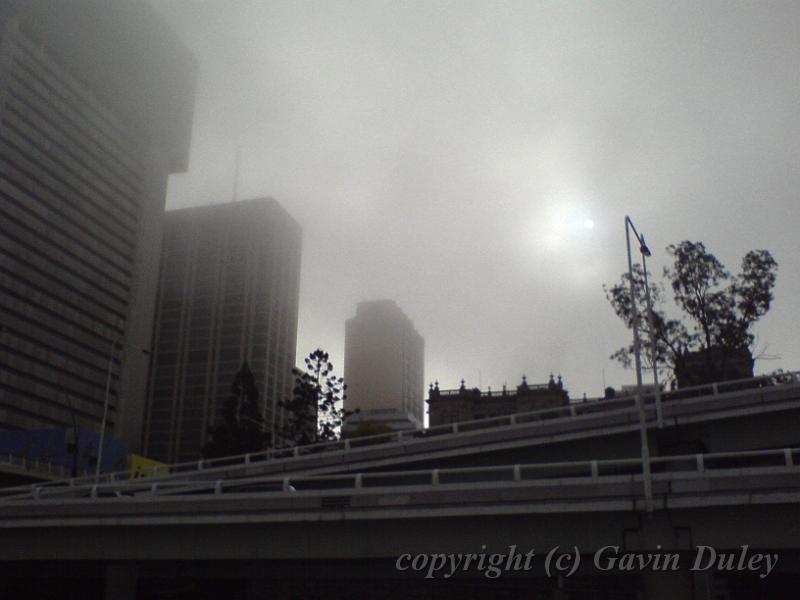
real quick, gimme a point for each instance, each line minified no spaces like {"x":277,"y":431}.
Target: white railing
{"x":33,"y":465}
{"x":785,"y":460}
{"x":575,"y":409}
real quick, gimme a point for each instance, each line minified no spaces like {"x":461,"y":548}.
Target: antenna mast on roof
{"x":236,"y":173}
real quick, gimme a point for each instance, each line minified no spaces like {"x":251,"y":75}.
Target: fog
{"x":474,"y":161}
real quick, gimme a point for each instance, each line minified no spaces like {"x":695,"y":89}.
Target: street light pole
{"x":648,"y":484}
{"x":650,"y":321}
{"x":105,"y":410}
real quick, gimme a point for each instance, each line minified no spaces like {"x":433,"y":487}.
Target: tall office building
{"x":228,"y":293}
{"x":384,"y":360}
{"x":96,"y":102}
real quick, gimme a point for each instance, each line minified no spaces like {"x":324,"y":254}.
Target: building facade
{"x":454,"y":406}
{"x":228,"y":293}
{"x":713,"y":364}
{"x":91,"y":126}
{"x":384,"y":362}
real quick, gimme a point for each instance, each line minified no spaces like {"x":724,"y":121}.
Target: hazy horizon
{"x":474,"y":162}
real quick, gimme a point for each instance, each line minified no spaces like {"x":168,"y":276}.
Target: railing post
{"x":512,"y":420}
{"x":659,"y":410}
{"x":247,"y":458}
{"x":399,"y":436}
{"x":714,"y":389}
{"x":595,"y":469}
{"x":700,"y":463}
{"x":200,"y":465}
{"x":571,"y":410}
{"x":455,"y":427}
{"x":787,"y":453}
{"x":347,"y":444}
{"x":435,"y":477}
{"x":517,"y":473}
{"x":358,"y":483}
{"x":296,"y":451}
{"x":286,"y":485}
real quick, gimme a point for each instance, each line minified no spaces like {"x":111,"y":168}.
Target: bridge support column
{"x":121,"y":582}
{"x":703,"y":585}
{"x":667,"y":585}
{"x":559,"y":593}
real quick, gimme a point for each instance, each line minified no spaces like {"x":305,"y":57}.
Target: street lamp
{"x":648,"y":484}
{"x":105,"y":403}
{"x":650,"y":321}
{"x":645,"y":252}
{"x":105,"y":410}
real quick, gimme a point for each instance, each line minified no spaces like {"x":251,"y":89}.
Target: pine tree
{"x":242,"y":427}
{"x":315,"y":412}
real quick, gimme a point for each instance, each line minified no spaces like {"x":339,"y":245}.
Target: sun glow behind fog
{"x":565,"y":225}
{"x":564,"y":240}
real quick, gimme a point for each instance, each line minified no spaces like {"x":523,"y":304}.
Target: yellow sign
{"x":145,"y":467}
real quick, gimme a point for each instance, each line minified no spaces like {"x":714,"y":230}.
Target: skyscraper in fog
{"x":96,"y":102}
{"x":384,"y":360}
{"x":228,"y":293}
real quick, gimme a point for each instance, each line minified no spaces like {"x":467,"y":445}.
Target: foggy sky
{"x":453,"y":156}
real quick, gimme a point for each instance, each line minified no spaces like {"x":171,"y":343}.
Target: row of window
{"x":36,"y":116}
{"x":93,"y":116}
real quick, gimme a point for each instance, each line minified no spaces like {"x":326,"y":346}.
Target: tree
{"x":315,"y":412}
{"x":242,"y":427}
{"x":719,"y":310}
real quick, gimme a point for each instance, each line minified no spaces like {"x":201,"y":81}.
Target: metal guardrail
{"x":557,"y":474}
{"x":575,"y":409}
{"x":35,"y":465}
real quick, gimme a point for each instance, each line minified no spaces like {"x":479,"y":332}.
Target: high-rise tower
{"x":228,"y":293}
{"x":96,"y":102}
{"x":384,"y":361}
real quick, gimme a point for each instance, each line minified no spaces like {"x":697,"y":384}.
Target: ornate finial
{"x":462,"y":384}
{"x":551,"y":384}
{"x":524,"y":380}
{"x":489,"y":391}
{"x":436,"y":384}
{"x":430,"y":386}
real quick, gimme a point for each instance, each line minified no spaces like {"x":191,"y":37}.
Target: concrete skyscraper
{"x":228,"y":293}
{"x":384,"y":361}
{"x":96,"y":103}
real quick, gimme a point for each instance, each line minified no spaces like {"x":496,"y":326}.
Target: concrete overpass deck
{"x":775,"y":400}
{"x":760,"y":477}
{"x":721,"y":501}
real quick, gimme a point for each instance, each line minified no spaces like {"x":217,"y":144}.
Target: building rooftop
{"x":127,"y":55}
